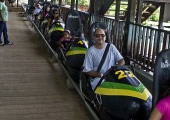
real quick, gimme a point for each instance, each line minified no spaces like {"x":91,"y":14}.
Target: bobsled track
{"x":32,"y":83}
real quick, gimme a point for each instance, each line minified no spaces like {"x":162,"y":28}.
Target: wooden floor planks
{"x":31,"y":86}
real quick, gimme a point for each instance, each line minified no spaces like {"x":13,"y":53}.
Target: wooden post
{"x":130,"y":18}
{"x":17,"y":3}
{"x":139,"y":11}
{"x":161,"y":17}
{"x":72,"y":4}
{"x":30,"y":2}
{"x":91,"y":8}
{"x":60,"y":3}
{"x":131,"y":10}
{"x":77,"y":4}
{"x":117,"y":12}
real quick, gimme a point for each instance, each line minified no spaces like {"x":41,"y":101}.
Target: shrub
{"x":83,"y":2}
{"x":154,"y":17}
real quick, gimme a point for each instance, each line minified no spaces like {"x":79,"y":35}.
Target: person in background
{"x":45,"y":13}
{"x":36,"y":12}
{"x":66,"y":38}
{"x":162,"y":108}
{"x":54,"y":18}
{"x":3,"y":26}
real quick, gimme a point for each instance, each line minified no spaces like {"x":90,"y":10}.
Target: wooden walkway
{"x":32,"y":87}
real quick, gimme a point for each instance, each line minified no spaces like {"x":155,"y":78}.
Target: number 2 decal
{"x":124,"y":74}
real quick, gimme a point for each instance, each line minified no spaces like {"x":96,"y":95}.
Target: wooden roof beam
{"x":164,"y":1}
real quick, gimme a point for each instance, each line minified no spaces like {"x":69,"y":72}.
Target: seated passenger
{"x":54,"y":18}
{"x":94,"y":56}
{"x":45,"y":13}
{"x":66,"y":38}
{"x":162,"y":108}
{"x":36,"y":11}
{"x":55,"y":40}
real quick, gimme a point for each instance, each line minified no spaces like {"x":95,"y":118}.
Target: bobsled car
{"x":73,"y":55}
{"x":73,"y":23}
{"x":56,"y":30}
{"x":119,"y":95}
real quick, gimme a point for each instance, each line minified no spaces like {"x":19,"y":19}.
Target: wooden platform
{"x":15,"y":9}
{"x":31,"y":86}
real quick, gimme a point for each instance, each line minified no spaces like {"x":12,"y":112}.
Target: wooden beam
{"x":72,"y":4}
{"x":131,"y":10}
{"x":91,"y":7}
{"x":31,"y":2}
{"x":139,"y":11}
{"x":77,"y":4}
{"x":117,"y":12}
{"x":165,"y":1}
{"x":161,"y":17}
{"x":60,"y":2}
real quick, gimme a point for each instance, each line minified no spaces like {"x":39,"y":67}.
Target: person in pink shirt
{"x":66,"y":38}
{"x":162,"y":108}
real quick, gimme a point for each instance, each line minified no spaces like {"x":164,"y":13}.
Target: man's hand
{"x":94,"y":74}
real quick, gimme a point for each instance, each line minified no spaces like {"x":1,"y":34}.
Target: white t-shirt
{"x":37,"y":11}
{"x":93,"y":57}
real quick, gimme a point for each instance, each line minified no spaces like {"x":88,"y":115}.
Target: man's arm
{"x":121,"y":62}
{"x":155,"y":115}
{"x":1,"y":19}
{"x":94,"y":74}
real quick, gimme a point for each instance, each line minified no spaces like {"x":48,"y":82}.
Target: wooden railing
{"x":144,"y":44}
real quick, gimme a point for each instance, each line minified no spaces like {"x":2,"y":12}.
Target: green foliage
{"x":154,"y":17}
{"x":83,"y":2}
{"x":123,"y":7}
{"x":68,"y":1}
{"x":145,"y":23}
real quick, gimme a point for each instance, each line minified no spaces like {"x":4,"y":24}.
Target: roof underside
{"x":165,"y":1}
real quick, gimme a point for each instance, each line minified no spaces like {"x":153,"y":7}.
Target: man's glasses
{"x":100,"y":35}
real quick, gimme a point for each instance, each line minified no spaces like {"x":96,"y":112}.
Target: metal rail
{"x":69,"y":77}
